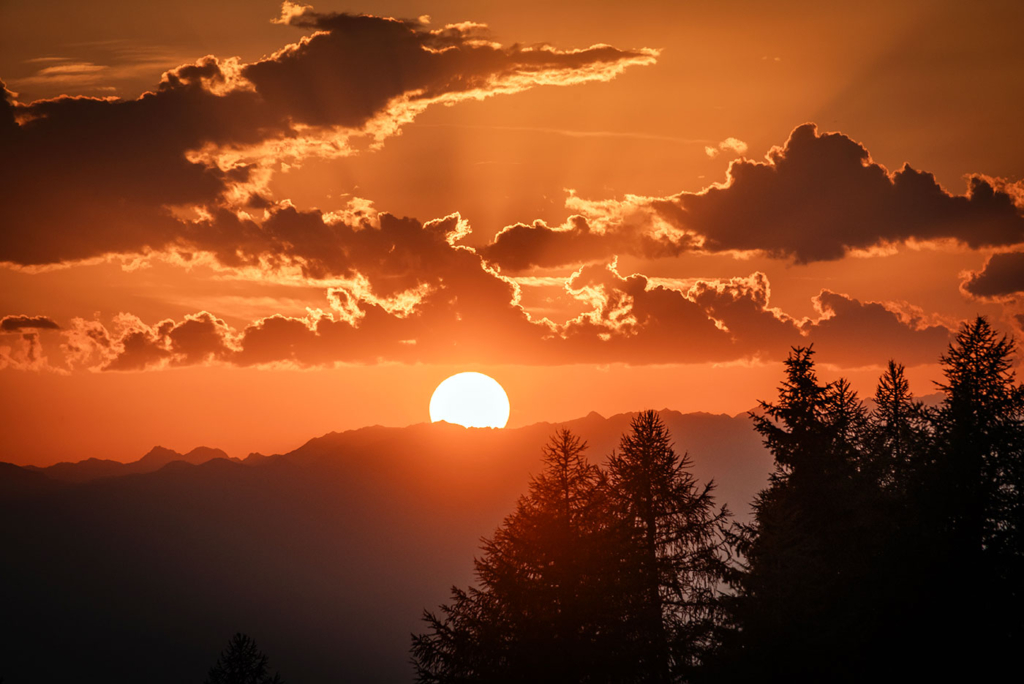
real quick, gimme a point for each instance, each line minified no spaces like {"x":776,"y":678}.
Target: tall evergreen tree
{"x":546,"y":608}
{"x":242,"y":663}
{"x":977,"y":487}
{"x":799,"y":605}
{"x":675,"y":555}
{"x":884,"y":540}
{"x":980,"y":425}
{"x":899,"y":434}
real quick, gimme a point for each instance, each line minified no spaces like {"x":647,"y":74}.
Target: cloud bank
{"x":182,"y":173}
{"x":1001,"y":277}
{"x":471,"y":315}
{"x":83,"y":178}
{"x":819,"y":197}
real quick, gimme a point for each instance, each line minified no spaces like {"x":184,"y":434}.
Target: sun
{"x":470,"y":399}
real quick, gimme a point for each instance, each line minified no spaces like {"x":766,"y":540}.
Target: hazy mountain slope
{"x":326,"y":555}
{"x":96,"y":468}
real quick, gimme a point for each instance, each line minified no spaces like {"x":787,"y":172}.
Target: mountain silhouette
{"x":96,"y":468}
{"x":327,"y":554}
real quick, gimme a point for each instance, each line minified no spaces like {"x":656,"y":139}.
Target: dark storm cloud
{"x":19,"y":323}
{"x":86,"y":177}
{"x":1001,"y":276}
{"x":814,"y":199}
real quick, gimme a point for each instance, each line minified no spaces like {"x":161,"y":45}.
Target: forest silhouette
{"x":887,"y":546}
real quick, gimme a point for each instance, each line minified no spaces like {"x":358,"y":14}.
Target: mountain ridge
{"x":158,"y":457}
{"x":327,"y":554}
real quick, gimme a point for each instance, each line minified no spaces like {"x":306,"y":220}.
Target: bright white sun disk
{"x":470,"y":399}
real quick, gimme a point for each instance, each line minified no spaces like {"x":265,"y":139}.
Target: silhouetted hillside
{"x":19,"y":482}
{"x":326,"y":554}
{"x":95,"y":468}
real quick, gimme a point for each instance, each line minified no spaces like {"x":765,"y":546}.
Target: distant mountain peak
{"x":159,"y":454}
{"x":201,"y":454}
{"x":155,"y":459}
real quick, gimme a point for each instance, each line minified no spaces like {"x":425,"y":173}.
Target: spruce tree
{"x":674,"y":557}
{"x":899,"y":434}
{"x":242,"y":663}
{"x":977,"y":497}
{"x":546,"y":607}
{"x":980,"y":424}
{"x":808,"y":559}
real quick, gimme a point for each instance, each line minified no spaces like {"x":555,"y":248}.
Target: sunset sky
{"x":245,"y":224}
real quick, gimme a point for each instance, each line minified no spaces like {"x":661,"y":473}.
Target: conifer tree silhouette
{"x":884,"y":540}
{"x":977,"y":496}
{"x":674,"y":557}
{"x":545,"y":609}
{"x":242,"y":663}
{"x":810,"y":554}
{"x":980,"y":429}
{"x":899,"y":434}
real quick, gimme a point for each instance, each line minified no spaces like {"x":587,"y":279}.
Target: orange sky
{"x":219,"y":261}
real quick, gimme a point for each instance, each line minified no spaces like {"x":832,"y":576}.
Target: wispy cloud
{"x":104,"y":66}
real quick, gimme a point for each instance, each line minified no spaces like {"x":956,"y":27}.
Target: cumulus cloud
{"x":21,"y":344}
{"x":816,"y":198}
{"x":601,"y":230}
{"x":26,"y":353}
{"x":19,"y":323}
{"x":183,"y":170}
{"x":84,"y":177}
{"x":625,"y":311}
{"x":1001,"y":277}
{"x":734,"y":145}
{"x":742,"y":307}
{"x":396,"y":254}
{"x":196,"y":339}
{"x":821,"y":195}
{"x":855,"y":333}
{"x":634,"y":319}
{"x":472,"y":315}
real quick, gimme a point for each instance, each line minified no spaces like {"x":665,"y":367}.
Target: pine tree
{"x":674,"y":557}
{"x":885,"y":540}
{"x":977,"y":487}
{"x":546,"y":608}
{"x":809,"y":557}
{"x":242,"y":663}
{"x":981,"y":430}
{"x":899,"y":434}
